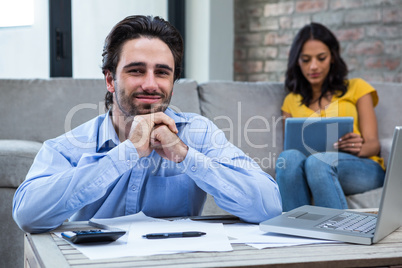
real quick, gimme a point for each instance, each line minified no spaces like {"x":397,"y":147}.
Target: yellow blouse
{"x":339,"y":106}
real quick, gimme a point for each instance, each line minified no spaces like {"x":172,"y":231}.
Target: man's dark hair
{"x":335,"y":81}
{"x":134,"y":27}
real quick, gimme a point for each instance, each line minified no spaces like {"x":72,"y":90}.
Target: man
{"x":140,"y":155}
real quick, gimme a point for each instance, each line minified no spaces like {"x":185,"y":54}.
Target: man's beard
{"x":129,"y":109}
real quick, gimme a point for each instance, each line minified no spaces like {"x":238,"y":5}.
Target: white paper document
{"x":137,"y":225}
{"x":216,"y":239}
{"x":250,"y":234}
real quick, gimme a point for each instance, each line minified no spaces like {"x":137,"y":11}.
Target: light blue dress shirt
{"x":88,"y":172}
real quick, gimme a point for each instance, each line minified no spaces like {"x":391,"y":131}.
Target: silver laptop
{"x":348,"y":226}
{"x":315,"y":134}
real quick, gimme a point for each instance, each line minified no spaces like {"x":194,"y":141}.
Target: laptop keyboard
{"x":350,"y":222}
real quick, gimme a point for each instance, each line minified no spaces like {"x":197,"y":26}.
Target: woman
{"x":316,"y":80}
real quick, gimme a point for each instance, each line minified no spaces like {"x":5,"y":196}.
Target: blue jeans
{"x":325,"y":178}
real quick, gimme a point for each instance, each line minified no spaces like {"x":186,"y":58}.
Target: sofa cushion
{"x":40,"y":109}
{"x":387,"y":108}
{"x":185,"y":97}
{"x":386,"y":145}
{"x":369,"y":199}
{"x":250,"y":115}
{"x":16,"y":157}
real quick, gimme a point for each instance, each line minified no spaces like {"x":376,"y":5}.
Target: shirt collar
{"x":107,"y":137}
{"x":179,"y":118}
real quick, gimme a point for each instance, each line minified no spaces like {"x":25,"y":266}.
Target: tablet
{"x":315,"y":134}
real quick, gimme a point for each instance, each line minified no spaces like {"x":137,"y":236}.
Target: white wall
{"x":24,"y":51}
{"x":92,"y":20}
{"x":209,"y":40}
{"x":197,"y":39}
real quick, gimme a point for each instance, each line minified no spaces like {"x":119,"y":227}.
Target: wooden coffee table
{"x":48,"y":250}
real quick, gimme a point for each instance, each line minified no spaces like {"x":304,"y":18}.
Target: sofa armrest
{"x":16,"y":158}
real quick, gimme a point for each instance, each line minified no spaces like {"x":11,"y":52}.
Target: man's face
{"x":144,"y":78}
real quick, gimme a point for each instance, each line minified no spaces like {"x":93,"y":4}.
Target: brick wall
{"x":370,"y":33}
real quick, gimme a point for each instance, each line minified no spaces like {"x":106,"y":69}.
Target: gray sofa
{"x":33,"y":111}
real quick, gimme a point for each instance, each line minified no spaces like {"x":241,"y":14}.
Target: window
{"x":16,"y":13}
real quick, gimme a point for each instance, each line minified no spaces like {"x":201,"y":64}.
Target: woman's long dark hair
{"x":334,"y":83}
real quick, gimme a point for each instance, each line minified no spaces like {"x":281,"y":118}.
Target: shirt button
{"x":134,"y":188}
{"x":193,"y":168}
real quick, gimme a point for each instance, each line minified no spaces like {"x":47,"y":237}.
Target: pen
{"x":173,"y":235}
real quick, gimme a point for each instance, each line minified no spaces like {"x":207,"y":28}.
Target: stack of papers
{"x":218,"y":237}
{"x":134,"y":244}
{"x":250,"y":234}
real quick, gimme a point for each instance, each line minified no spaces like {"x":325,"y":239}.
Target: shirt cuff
{"x":195,"y":164}
{"x":124,"y":156}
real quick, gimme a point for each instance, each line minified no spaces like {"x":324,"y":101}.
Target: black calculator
{"x":94,"y":235}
